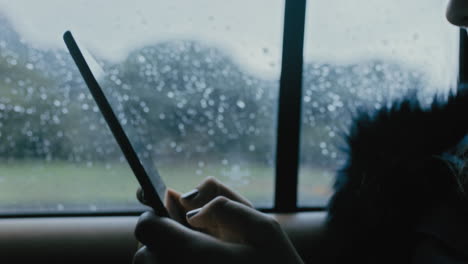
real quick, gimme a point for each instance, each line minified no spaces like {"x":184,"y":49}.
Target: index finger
{"x":208,"y":190}
{"x":233,"y":222}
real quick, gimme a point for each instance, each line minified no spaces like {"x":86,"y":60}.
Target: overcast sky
{"x":344,"y":31}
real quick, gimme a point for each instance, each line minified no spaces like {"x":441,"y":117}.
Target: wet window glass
{"x":358,"y":54}
{"x":199,"y":77}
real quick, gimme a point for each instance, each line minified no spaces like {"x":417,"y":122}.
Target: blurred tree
{"x":185,"y":99}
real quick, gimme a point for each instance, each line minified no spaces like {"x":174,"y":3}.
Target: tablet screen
{"x":132,"y":114}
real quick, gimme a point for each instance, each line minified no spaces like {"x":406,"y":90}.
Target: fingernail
{"x":193,"y":212}
{"x":189,"y":195}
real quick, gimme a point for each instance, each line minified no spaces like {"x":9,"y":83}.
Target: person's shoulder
{"x":431,"y":250}
{"x":443,"y":234}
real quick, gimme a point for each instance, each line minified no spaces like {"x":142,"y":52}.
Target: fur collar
{"x":394,"y":172}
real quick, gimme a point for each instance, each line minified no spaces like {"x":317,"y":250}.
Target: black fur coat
{"x":394,"y":173}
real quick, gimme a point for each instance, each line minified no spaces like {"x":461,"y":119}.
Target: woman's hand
{"x":213,"y":224}
{"x":178,"y":205}
{"x":224,"y":231}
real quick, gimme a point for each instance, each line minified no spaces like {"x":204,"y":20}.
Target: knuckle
{"x":218,"y":203}
{"x":210,"y":182}
{"x":210,"y":186}
{"x":269,"y":223}
{"x":267,"y":229}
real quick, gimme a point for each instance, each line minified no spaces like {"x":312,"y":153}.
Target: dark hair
{"x":402,"y":160}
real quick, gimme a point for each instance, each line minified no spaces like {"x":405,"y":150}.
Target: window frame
{"x":289,"y":118}
{"x":289,"y":108}
{"x":463,"y":58}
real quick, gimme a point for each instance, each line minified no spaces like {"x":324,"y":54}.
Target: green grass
{"x":61,"y":184}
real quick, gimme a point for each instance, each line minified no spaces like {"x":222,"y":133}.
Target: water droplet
{"x":240,"y":104}
{"x":18,"y":109}
{"x":141,"y":59}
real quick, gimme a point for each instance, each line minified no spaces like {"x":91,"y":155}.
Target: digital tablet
{"x":126,"y":134}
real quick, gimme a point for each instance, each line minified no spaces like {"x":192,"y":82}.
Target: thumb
{"x":231,"y":221}
{"x":168,"y":241}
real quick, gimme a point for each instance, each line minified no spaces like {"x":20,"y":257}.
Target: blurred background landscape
{"x":200,"y":112}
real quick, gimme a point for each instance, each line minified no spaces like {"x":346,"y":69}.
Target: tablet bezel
{"x":151,"y":196}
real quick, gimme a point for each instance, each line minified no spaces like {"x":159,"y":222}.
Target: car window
{"x":204,"y":75}
{"x":358,"y":55}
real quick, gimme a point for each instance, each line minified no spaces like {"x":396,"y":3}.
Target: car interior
{"x":256,"y":93}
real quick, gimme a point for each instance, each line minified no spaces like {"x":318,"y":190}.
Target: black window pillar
{"x":463,"y":58}
{"x":289,"y":112}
